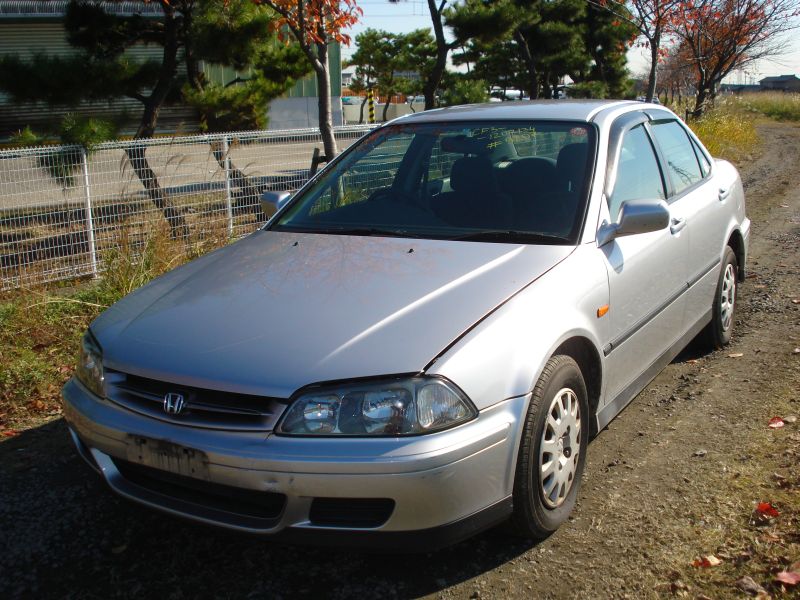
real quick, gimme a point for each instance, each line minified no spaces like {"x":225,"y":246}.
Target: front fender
{"x":504,"y":355}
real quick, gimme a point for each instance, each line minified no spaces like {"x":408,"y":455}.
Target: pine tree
{"x":189,"y":31}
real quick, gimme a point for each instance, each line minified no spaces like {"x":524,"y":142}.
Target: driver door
{"x":646,"y":272}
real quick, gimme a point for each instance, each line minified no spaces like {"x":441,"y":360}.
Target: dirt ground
{"x":675,"y":477}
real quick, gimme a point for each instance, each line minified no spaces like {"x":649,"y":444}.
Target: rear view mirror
{"x":271,"y":202}
{"x":635,"y":216}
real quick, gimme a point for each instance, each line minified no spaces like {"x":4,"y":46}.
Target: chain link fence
{"x":63,"y":208}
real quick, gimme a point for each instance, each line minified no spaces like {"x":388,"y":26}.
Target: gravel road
{"x":657,"y":487}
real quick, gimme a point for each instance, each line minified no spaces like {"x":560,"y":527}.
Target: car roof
{"x":562,"y":110}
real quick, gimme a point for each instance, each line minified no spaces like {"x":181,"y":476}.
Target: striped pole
{"x":371,"y":104}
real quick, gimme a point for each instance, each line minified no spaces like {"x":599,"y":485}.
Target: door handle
{"x":724,"y":193}
{"x":676,"y":225}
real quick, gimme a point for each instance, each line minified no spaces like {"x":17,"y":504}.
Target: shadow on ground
{"x":68,"y":534}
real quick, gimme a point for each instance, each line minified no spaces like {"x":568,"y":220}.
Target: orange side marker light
{"x":602,"y":310}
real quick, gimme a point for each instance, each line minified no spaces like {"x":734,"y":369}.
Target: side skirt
{"x":613,"y":408}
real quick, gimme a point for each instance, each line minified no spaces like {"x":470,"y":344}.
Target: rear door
{"x":705,"y":208}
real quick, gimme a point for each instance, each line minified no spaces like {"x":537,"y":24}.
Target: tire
{"x":543,"y":503}
{"x":718,"y":332}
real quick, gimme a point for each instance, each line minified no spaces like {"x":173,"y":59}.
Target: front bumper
{"x":444,"y":486}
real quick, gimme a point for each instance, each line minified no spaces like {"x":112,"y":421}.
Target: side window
{"x":681,"y":160}
{"x":705,"y":166}
{"x":638,"y":174}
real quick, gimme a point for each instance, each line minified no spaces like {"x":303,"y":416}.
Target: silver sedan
{"x":421,"y":342}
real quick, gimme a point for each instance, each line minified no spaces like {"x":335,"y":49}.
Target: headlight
{"x":403,"y":406}
{"x":90,"y":365}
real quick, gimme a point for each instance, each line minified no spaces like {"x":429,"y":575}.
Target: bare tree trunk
{"x":386,"y":107}
{"x":442,"y":48}
{"x":651,"y":81}
{"x":147,"y":126}
{"x":530,"y":64}
{"x":325,"y":108}
{"x":361,"y":113}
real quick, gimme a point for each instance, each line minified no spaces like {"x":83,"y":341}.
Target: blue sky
{"x":413,"y":14}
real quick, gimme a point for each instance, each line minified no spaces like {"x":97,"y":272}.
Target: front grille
{"x":239,"y":501}
{"x":350,"y":512}
{"x":210,"y":409}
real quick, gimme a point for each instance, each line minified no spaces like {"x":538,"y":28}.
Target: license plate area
{"x":167,"y":456}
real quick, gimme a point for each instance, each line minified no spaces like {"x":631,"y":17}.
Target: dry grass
{"x":775,"y":105}
{"x":728,"y":131}
{"x":40,"y":327}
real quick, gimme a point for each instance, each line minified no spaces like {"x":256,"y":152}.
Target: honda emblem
{"x":173,"y":403}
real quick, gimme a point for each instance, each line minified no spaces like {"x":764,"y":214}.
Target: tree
{"x":236,"y":34}
{"x":188,"y":31}
{"x":532,"y":44}
{"x":718,"y":36}
{"x":389,"y":59}
{"x":417,"y":57}
{"x":607,"y":39}
{"x":652,"y":19}
{"x":314,"y":24}
{"x":433,"y":80}
{"x":498,"y":64}
{"x":376,"y":61}
{"x":463,"y":89}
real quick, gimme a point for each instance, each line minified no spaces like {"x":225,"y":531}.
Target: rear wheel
{"x":718,"y":332}
{"x":552,"y":451}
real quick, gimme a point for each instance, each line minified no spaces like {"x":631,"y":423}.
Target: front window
{"x":518,"y":181}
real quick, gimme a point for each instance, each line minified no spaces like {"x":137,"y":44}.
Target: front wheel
{"x":719,"y":331}
{"x":552,"y":451}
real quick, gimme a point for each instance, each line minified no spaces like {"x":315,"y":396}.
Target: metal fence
{"x":63,"y":208}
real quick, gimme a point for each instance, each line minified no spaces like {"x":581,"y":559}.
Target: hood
{"x":277,"y":311}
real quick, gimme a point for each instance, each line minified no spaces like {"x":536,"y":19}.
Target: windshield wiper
{"x":511,"y":236}
{"x":363,"y":231}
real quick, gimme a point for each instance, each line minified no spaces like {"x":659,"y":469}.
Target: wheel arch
{"x":736,"y":243}
{"x":584,"y":352}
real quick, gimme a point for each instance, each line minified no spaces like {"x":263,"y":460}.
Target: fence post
{"x":88,"y":210}
{"x":228,"y":200}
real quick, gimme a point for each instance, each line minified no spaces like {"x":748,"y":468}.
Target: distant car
{"x":644,"y":99}
{"x":349,"y":100}
{"x":420,"y":343}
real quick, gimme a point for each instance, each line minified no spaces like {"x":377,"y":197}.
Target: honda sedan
{"x":422,"y":340}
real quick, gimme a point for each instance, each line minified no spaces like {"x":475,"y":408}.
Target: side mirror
{"x":271,"y":202}
{"x":635,"y":216}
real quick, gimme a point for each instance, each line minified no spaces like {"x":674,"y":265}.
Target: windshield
{"x":517,"y":181}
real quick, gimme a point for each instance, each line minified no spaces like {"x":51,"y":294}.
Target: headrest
{"x":571,"y":165}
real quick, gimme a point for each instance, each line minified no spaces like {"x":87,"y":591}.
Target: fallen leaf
{"x":795,"y":300}
{"x":10,"y":433}
{"x":701,"y":453}
{"x":707,"y":561}
{"x":775,"y":423}
{"x":749,"y":586}
{"x":790,"y":419}
{"x":765,"y":508}
{"x":788,"y":577}
{"x":736,"y":355}
{"x":796,"y":351}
